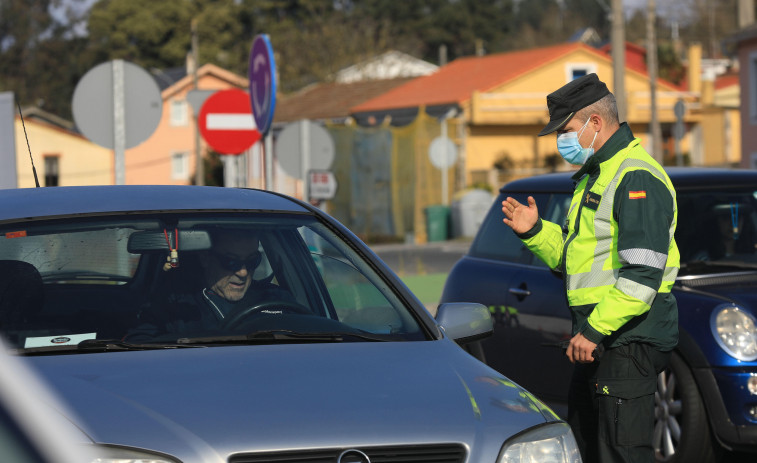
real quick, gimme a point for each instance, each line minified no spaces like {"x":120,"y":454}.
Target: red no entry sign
{"x":226,"y":123}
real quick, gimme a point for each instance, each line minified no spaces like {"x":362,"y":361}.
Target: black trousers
{"x":611,"y":404}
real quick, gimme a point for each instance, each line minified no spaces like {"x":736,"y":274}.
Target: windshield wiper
{"x":97,"y":345}
{"x":115,"y":344}
{"x":268,"y":336}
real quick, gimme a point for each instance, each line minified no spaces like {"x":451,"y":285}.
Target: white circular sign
{"x":94,"y":107}
{"x":442,"y":152}
{"x":291,"y":148}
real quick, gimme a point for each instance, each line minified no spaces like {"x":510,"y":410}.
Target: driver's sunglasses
{"x":233,"y":264}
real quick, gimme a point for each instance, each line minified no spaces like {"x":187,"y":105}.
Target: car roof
{"x":683,"y":178}
{"x":92,"y":200}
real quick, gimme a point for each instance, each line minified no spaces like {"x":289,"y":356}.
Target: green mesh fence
{"x":386,"y":180}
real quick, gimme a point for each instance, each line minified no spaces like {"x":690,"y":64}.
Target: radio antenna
{"x":36,"y":180}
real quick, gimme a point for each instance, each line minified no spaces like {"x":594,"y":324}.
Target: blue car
{"x":708,"y":397}
{"x":217,"y":325}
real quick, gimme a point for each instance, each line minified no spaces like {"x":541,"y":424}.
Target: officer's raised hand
{"x":519,"y":217}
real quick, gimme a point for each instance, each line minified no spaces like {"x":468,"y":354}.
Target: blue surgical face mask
{"x":571,"y":150}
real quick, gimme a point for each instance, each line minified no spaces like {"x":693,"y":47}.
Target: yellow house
{"x":61,"y":156}
{"x":168,"y":156}
{"x":500,"y":101}
{"x":721,"y":122}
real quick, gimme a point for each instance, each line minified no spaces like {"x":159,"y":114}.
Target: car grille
{"x":449,"y":453}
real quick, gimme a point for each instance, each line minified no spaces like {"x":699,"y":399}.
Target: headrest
{"x":21,"y":291}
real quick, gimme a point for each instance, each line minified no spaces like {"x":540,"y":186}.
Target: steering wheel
{"x":277,"y":307}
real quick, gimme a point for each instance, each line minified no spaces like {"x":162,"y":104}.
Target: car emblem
{"x":60,"y":340}
{"x":353,"y":456}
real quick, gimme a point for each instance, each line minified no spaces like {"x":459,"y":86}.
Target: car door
{"x":533,"y":318}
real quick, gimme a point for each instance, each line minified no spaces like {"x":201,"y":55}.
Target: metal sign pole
{"x":445,"y":180}
{"x":269,"y":162}
{"x":119,"y":120}
{"x":305,"y":152}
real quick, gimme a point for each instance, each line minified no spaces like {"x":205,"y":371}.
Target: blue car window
{"x":717,"y":226}
{"x":497,"y":241}
{"x":556,"y":212}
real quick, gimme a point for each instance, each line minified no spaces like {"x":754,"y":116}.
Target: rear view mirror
{"x":155,"y":240}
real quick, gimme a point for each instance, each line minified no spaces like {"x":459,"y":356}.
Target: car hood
{"x":207,"y":403}
{"x":724,"y":289}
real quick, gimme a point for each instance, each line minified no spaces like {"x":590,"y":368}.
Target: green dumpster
{"x":437,"y":222}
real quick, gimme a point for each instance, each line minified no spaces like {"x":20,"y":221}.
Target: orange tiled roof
{"x":331,"y":100}
{"x":636,"y":56}
{"x":455,"y":82}
{"x":205,"y":69}
{"x":726,"y":80}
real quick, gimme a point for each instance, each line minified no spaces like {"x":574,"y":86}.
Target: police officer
{"x":619,"y":260}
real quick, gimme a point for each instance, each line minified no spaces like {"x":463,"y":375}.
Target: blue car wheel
{"x":682,"y":431}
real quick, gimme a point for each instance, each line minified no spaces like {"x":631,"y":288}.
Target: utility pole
{"x":618,"y":39}
{"x":654,"y":125}
{"x":746,"y":13}
{"x":199,"y":166}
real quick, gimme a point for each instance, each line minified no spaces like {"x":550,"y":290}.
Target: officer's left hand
{"x":580,"y":349}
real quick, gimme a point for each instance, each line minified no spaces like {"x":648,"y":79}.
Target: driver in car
{"x":228,"y":269}
{"x":225,"y":288}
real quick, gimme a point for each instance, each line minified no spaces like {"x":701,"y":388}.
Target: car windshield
{"x":717,"y":229}
{"x":190,"y":279}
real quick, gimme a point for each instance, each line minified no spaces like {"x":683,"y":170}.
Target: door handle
{"x":520,"y":292}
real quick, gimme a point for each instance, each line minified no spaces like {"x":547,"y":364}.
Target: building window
{"x":180,"y":166}
{"x":575,"y":70}
{"x":52,"y":176}
{"x":753,"y":88}
{"x":179,"y":113}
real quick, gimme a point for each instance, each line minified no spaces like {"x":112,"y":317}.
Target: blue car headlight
{"x":552,"y":442}
{"x":735,"y":330}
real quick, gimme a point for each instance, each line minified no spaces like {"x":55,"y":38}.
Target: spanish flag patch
{"x":637,"y":194}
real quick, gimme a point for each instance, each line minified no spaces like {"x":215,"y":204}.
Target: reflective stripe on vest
{"x":584,"y":287}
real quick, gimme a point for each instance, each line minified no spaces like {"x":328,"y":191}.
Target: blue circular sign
{"x":262,"y":82}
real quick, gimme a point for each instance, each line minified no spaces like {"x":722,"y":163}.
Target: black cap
{"x":564,"y":102}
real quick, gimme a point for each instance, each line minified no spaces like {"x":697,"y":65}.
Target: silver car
{"x":35,"y":426}
{"x":200,"y":324}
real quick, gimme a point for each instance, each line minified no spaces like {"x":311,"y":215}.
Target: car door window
{"x":555,"y":212}
{"x":357,"y":301}
{"x":496,"y":240}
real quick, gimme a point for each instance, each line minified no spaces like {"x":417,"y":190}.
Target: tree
{"x":708,"y":22}
{"x":42,"y":56}
{"x":145,"y":32}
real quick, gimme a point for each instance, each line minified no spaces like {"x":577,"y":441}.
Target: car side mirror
{"x":465,"y":322}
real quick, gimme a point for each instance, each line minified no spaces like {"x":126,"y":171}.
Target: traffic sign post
{"x":262,"y":77}
{"x":117,"y":105}
{"x":226,"y":122}
{"x":443,"y":153}
{"x":322,"y":184}
{"x":303,"y":146}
